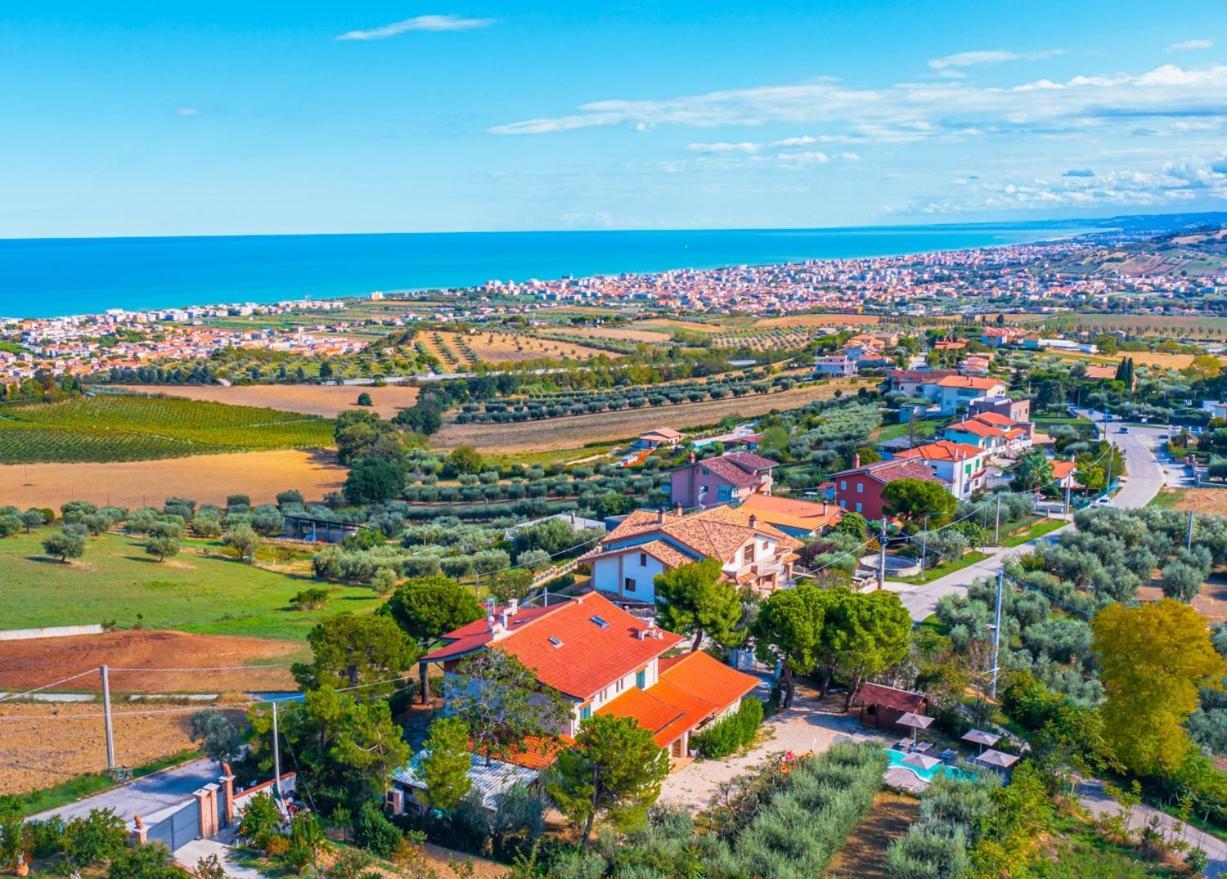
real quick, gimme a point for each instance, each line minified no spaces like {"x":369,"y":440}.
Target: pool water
{"x":896,"y":759}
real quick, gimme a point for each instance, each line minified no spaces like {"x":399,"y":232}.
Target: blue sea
{"x":49,"y":277}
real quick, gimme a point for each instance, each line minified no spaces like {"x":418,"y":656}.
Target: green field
{"x":116,"y":581}
{"x":111,"y":427}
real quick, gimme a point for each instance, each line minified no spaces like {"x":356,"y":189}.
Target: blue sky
{"x":129,"y":118}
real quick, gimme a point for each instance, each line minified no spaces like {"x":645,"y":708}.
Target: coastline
{"x":51,"y":278}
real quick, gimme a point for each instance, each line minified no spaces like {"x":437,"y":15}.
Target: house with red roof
{"x":604,"y":660}
{"x":993,"y":432}
{"x":859,"y":489}
{"x":647,"y":543}
{"x":955,"y":392}
{"x":960,"y":465}
{"x":728,"y":478}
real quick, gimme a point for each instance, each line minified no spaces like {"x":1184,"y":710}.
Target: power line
{"x":11,"y":696}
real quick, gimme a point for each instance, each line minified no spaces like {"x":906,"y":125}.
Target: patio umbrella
{"x":981,"y":738}
{"x":915,"y":721}
{"x":920,"y":761}
{"x":997,"y":759}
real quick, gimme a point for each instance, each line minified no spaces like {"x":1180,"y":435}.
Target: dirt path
{"x":206,"y":478}
{"x":864,"y":854}
{"x":578,"y":430}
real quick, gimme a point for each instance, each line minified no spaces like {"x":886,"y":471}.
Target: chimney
{"x":753,"y":520}
{"x":513,"y":607}
{"x":856,"y":460}
{"x":824,"y":508}
{"x":677,"y":508}
{"x":504,"y":617}
{"x":692,"y":457}
{"x":660,"y":516}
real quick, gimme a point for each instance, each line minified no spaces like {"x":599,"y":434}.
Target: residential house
{"x":1063,"y":474}
{"x":996,"y":337}
{"x":916,"y":382}
{"x":798,"y":518}
{"x":1018,"y":411}
{"x":860,"y":488}
{"x":959,"y":465}
{"x":604,"y":660}
{"x":993,"y":432}
{"x":646,"y":544}
{"x":956,"y":392}
{"x":1216,"y":408}
{"x":975,"y":364}
{"x":835,"y":365}
{"x":728,"y":478}
{"x":655,"y":439}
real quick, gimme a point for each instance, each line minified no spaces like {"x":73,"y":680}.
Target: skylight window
{"x":557,"y":642}
{"x":600,"y":621}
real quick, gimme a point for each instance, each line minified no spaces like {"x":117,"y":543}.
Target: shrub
{"x":374,"y":832}
{"x":310,"y":599}
{"x":731,"y":733}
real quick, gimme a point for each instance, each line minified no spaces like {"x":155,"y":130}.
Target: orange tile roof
{"x":977,"y":428}
{"x":969,"y":381}
{"x":996,"y":419}
{"x":535,"y":752}
{"x":792,"y":513}
{"x":589,"y":657}
{"x":1061,"y":469}
{"x":942,"y":450}
{"x":690,"y":689}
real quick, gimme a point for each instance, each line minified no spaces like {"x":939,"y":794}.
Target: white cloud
{"x":187,"y":111}
{"x":434,"y":23}
{"x":1190,"y":45}
{"x":990,"y":56}
{"x":908,"y":112}
{"x":723,"y":148}
{"x":803,"y":159}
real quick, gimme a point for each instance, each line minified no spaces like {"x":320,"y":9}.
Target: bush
{"x":374,"y":832}
{"x":310,"y":599}
{"x":731,"y":733}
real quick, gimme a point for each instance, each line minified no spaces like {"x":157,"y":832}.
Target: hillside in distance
{"x":1197,"y":252}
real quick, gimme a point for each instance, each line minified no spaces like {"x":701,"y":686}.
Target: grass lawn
{"x":116,"y":581}
{"x":924,"y":429}
{"x":948,"y":568}
{"x":1051,"y":420}
{"x":1038,"y":529}
{"x":1079,"y":852}
{"x":1168,"y":498}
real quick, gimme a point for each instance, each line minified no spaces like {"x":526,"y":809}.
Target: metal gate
{"x":178,"y":829}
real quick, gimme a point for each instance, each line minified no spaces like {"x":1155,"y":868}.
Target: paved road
{"x":1091,"y":796}
{"x":1146,"y":478}
{"x":145,"y":795}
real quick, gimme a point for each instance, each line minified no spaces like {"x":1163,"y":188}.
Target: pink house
{"x":729,"y":478}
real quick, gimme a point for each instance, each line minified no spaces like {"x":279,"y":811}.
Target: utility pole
{"x":1188,"y":537}
{"x":924,"y":546}
{"x":1068,"y":482}
{"x":277,"y":758}
{"x":882,"y":555}
{"x":997,"y":524}
{"x":997,"y":634}
{"x":106,"y":717}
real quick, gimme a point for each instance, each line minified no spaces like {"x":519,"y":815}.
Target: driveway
{"x":806,"y":726}
{"x":145,"y":795}
{"x":1146,"y":478}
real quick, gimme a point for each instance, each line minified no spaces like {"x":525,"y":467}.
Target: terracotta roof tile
{"x":942,"y":450}
{"x":888,"y":697}
{"x":969,"y":381}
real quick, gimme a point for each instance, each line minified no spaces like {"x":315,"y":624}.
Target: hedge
{"x":731,"y":733}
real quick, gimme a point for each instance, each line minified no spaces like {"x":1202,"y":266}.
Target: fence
{"x":49,"y":632}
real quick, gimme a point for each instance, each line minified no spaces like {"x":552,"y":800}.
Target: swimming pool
{"x":896,"y":760}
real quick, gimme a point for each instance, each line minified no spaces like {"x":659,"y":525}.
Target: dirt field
{"x":1202,"y":500}
{"x":575,"y":431}
{"x":46,"y":744}
{"x":37,"y":661}
{"x":496,"y":347}
{"x":207,"y":478}
{"x":1211,"y":603}
{"x":325,"y":400}
{"x":815,"y":320}
{"x":864,"y":854}
{"x":618,"y":334}
{"x":668,"y":325}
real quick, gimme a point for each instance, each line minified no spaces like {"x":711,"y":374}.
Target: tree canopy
{"x":427,"y":607}
{"x":694,"y":599}
{"x":915,"y":499}
{"x":350,"y":651}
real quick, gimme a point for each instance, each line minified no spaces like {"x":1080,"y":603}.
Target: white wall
{"x":610,"y":573}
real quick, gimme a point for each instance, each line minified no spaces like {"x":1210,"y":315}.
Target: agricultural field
{"x":24,"y":664}
{"x":668,"y":325}
{"x":457,"y":351}
{"x":817,"y":320}
{"x":207,"y":478}
{"x":1199,"y":500}
{"x":199,"y":590}
{"x":1141,"y":324}
{"x":772,"y":339}
{"x":616,"y":334}
{"x":114,"y":427}
{"x":50,"y":744}
{"x":864,"y":854}
{"x":578,"y":430}
{"x":326,"y":401}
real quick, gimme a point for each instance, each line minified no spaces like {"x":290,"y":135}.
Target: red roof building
{"x":859,"y":490}
{"x":602,"y":658}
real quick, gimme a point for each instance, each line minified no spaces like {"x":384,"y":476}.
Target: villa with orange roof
{"x":645,"y":544}
{"x":955,"y":392}
{"x":992,"y":432}
{"x":603,"y":660}
{"x":960,"y":465}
